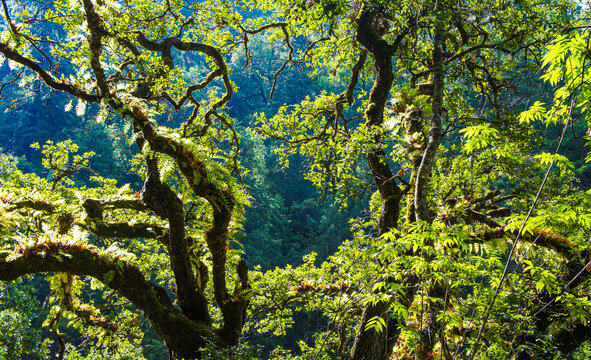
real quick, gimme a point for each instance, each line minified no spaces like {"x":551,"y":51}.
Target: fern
{"x":81,"y":108}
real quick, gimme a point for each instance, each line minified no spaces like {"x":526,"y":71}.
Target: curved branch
{"x":188,"y":93}
{"x":49,"y":80}
{"x":117,"y":274}
{"x":355,"y":71}
{"x":97,"y":31}
{"x":287,"y":61}
{"x":15,"y":30}
{"x":164,"y":202}
{"x":165,"y":49}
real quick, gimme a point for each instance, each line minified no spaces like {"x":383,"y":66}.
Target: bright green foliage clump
{"x":51,"y":220}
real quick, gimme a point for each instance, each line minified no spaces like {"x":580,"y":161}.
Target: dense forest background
{"x":345,"y":232}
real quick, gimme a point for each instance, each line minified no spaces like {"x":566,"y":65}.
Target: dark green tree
{"x":124,"y":58}
{"x":436,"y":68}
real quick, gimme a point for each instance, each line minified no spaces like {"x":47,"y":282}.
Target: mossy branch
{"x":118,"y":274}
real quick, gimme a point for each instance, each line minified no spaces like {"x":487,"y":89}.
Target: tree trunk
{"x":370,"y":344}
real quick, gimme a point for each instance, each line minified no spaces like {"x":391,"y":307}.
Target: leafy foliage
{"x":469,"y":235}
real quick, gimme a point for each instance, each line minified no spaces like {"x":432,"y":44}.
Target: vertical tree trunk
{"x":435,"y":133}
{"x":370,"y":344}
{"x":373,"y":345}
{"x":428,"y":333}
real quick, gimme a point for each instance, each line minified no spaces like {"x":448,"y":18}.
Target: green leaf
{"x":540,"y":285}
{"x":478,"y":137}
{"x":561,"y":161}
{"x":376,"y":323}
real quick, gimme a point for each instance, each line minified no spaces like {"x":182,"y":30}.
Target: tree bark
{"x":373,"y":345}
{"x":435,"y":133}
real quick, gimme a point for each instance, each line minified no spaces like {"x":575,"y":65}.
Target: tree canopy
{"x":469,"y":164}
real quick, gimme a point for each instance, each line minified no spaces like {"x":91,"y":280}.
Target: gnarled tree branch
{"x":120,"y":275}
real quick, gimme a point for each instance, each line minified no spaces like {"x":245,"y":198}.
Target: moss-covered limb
{"x":63,"y":173}
{"x":370,"y":38}
{"x":477,"y":212}
{"x":164,"y":47}
{"x":33,"y":205}
{"x":414,"y":131}
{"x":129,"y":204}
{"x":93,"y":208}
{"x":47,"y":78}
{"x":477,"y":216}
{"x":390,"y":192}
{"x":435,"y":131}
{"x":233,"y":307}
{"x":96,"y":31}
{"x":160,"y":198}
{"x":489,"y":203}
{"x":355,"y":71}
{"x":180,"y":333}
{"x":193,"y":168}
{"x":189,"y":294}
{"x":124,"y":230}
{"x":542,"y":238}
{"x":551,"y":241}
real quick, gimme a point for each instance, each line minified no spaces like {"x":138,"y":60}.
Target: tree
{"x":124,"y":57}
{"x":450,"y":165}
{"x":444,"y":67}
{"x":20,"y":338}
